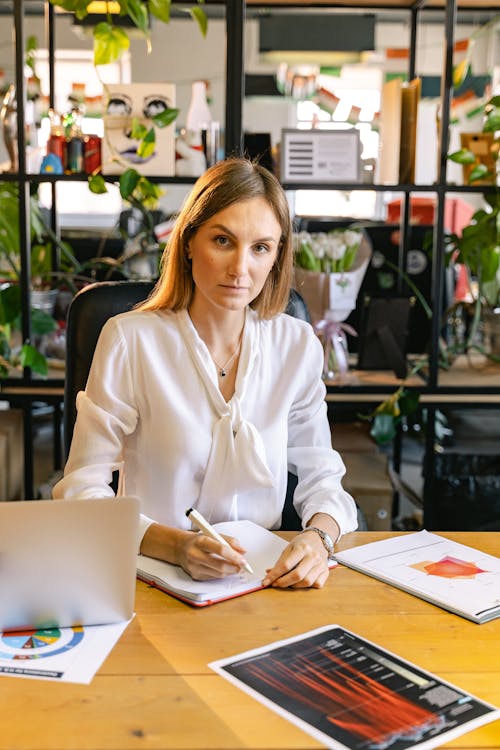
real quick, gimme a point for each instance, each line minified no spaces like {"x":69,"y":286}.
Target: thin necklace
{"x":224,"y":369}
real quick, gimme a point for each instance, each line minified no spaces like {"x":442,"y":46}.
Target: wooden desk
{"x":156,"y":691}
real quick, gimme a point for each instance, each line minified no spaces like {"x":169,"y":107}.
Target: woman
{"x":205,"y":395}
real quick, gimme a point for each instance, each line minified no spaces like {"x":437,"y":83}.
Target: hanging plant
{"x":110,"y":42}
{"x":110,"y":39}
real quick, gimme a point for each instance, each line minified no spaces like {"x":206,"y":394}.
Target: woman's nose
{"x":239,"y":262}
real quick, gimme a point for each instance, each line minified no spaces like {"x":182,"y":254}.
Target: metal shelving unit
{"x":24,"y":391}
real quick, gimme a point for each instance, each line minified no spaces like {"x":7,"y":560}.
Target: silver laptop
{"x":67,"y":562}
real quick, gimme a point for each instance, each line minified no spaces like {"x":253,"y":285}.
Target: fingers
{"x":205,"y":558}
{"x":301,"y":565}
{"x":234,"y":543}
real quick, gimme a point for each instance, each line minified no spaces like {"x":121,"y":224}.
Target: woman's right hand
{"x":200,"y":556}
{"x":204,"y":558}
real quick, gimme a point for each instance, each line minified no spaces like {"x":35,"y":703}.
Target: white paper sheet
{"x":61,"y":654}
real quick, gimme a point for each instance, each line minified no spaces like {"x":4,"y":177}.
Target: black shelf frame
{"x":25,"y":390}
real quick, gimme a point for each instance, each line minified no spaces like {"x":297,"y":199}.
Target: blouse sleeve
{"x":318,"y":466}
{"x":106,"y":413}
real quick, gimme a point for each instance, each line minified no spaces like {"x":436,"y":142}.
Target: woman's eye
{"x":222,"y":241}
{"x":261,"y":249}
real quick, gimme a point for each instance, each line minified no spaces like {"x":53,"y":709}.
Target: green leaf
{"x":160,"y":9}
{"x":147,"y":193}
{"x":147,"y":145}
{"x":42,"y":322}
{"x":305,"y":258}
{"x":31,"y":44}
{"x":162,"y":119}
{"x":97,"y":184}
{"x":109,"y":43}
{"x":479,"y":172}
{"x":128,"y":182}
{"x":200,"y":17}
{"x":10,"y":304}
{"x":489,"y":264}
{"x":139,"y":130}
{"x":408,"y":402}
{"x":464,"y":156}
{"x":492,"y":123}
{"x":349,"y":257}
{"x":383,"y":428}
{"x":31,"y":357}
{"x":78,"y":7}
{"x":138,"y":12}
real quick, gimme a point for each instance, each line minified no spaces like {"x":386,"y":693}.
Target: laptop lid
{"x":67,"y":562}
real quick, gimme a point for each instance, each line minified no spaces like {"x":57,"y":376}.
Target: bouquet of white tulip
{"x":329,"y":269}
{"x":329,"y":252}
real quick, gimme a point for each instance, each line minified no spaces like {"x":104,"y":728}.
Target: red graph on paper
{"x":449,"y":567}
{"x":348,"y":698}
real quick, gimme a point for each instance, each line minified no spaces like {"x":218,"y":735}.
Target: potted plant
{"x":110,"y":42}
{"x":477,"y":248}
{"x":70,"y":275}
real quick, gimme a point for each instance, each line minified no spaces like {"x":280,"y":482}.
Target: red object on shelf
{"x":457,"y":213}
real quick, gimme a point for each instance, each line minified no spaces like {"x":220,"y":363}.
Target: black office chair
{"x":88,"y":312}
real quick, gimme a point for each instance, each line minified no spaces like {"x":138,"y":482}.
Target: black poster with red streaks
{"x":349,"y":693}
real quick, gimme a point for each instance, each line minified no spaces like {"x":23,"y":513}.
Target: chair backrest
{"x":87,"y":314}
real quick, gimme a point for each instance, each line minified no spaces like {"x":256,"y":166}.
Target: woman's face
{"x":232,"y":254}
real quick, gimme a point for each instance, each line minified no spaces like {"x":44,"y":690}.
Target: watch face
{"x":328,"y":542}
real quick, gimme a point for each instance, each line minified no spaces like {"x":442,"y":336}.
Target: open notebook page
{"x":263,"y":549}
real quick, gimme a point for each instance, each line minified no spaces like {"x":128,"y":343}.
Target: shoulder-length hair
{"x":227,"y":182}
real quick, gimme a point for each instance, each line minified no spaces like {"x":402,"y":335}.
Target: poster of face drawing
{"x":141,"y":101}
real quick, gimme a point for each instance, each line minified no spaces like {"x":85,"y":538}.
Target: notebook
{"x":263,"y":549}
{"x":67,"y":562}
{"x":451,"y":575}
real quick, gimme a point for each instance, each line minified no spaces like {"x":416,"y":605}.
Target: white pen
{"x":198,"y":520}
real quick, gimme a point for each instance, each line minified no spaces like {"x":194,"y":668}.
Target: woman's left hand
{"x":302,"y":564}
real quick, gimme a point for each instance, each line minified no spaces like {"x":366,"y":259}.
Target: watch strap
{"x":325,"y":538}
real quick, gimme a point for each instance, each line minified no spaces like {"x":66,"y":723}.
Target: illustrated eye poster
{"x":139,"y":101}
{"x":351,"y":694}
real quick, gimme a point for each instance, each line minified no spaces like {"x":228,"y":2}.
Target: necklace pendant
{"x":222,"y":373}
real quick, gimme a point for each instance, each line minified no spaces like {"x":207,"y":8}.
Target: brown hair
{"x":227,"y":182}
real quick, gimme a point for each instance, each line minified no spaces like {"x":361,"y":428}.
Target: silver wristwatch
{"x":325,"y":538}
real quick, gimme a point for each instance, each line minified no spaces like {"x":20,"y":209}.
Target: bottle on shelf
{"x":198,"y":115}
{"x":201,"y":135}
{"x":56,"y":144}
{"x":92,"y":153}
{"x":74,"y":144}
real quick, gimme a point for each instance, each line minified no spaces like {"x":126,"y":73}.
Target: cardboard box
{"x":368,"y":482}
{"x":12,"y":468}
{"x":352,"y":436}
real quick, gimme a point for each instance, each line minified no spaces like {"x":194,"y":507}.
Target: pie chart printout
{"x":38,"y":644}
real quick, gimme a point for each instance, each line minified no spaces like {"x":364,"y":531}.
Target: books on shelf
{"x":398,"y":131}
{"x":451,"y":575}
{"x":263,"y":549}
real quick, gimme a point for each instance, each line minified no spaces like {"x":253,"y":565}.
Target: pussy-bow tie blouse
{"x":153,"y":410}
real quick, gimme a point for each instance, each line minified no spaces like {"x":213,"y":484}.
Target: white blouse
{"x":153,"y":410}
